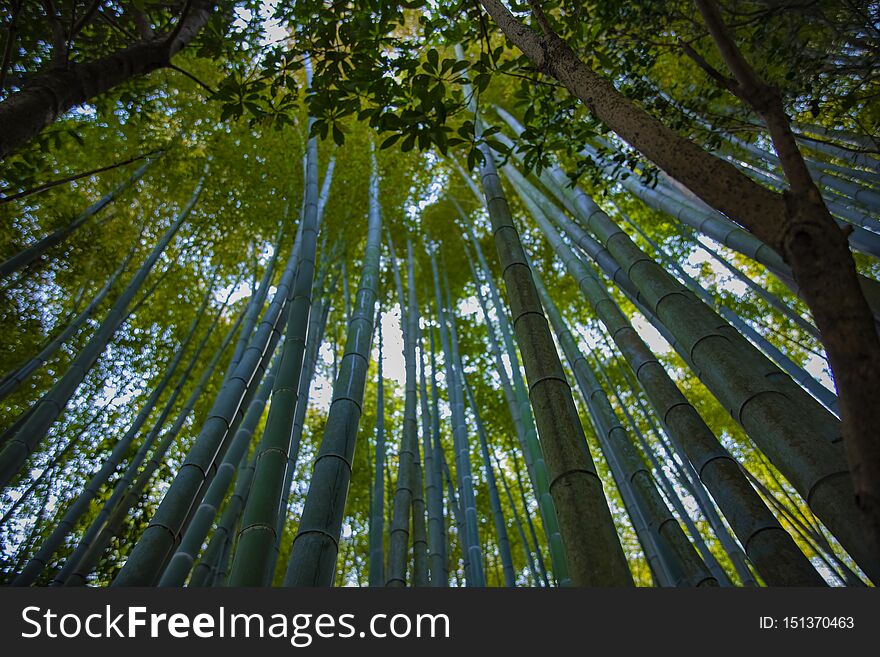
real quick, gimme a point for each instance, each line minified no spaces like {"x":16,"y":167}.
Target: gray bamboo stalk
{"x":159,"y":538}
{"x":838,"y":202}
{"x":29,"y":255}
{"x":595,"y":557}
{"x":627,"y":466}
{"x":667,"y":487}
{"x":527,"y":552}
{"x":686,"y":476}
{"x":258,"y":299}
{"x":314,"y":337}
{"x":795,"y":371}
{"x":469,"y":539}
{"x":800,"y":436}
{"x":770,"y":548}
{"x":458,"y":516}
{"x":217,"y":551}
{"x":191,"y":543}
{"x":81,"y":504}
{"x":860,"y":194}
{"x":436,"y":448}
{"x":53,"y":403}
{"x":377,"y":502}
{"x":133,"y":493}
{"x":256,"y":540}
{"x":433,"y":489}
{"x":315,"y":546}
{"x":524,"y":420}
{"x":317,"y":325}
{"x":420,"y":575}
{"x":764,"y":293}
{"x":515,"y":414}
{"x":494,"y":499}
{"x":399,"y":531}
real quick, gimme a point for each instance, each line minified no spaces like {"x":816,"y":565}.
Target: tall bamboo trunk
{"x":399,"y":534}
{"x":595,"y":557}
{"x":666,"y":485}
{"x":685,"y":475}
{"x":317,"y":325}
{"x":800,"y":436}
{"x":501,"y":537}
{"x":524,"y":421}
{"x":222,"y":535}
{"x":377,"y":500}
{"x":438,"y":463}
{"x":527,"y":551}
{"x":314,"y":552}
{"x":149,"y":555}
{"x":433,"y":489}
{"x":130,"y":472}
{"x":420,"y":530}
{"x":470,"y":539}
{"x":252,"y":562}
{"x":631,"y":473}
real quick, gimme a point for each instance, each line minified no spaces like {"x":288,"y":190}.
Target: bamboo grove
{"x":439,"y":294}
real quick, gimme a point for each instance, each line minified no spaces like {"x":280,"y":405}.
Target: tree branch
{"x":540,"y":17}
{"x":724,"y":81}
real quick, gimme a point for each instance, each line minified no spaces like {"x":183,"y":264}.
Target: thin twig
{"x":61,"y":181}
{"x":192,"y":77}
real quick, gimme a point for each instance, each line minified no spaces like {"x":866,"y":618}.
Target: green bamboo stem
{"x":501,"y":537}
{"x":315,"y":546}
{"x":770,"y":548}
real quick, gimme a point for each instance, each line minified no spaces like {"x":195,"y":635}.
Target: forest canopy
{"x":481,"y":293}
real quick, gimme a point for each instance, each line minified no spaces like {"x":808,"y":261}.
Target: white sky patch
{"x":238,"y":292}
{"x":275,"y":32}
{"x":468,"y":306}
{"x":656,"y":342}
{"x":393,"y":366}
{"x":818,"y":369}
{"x":725,"y":280}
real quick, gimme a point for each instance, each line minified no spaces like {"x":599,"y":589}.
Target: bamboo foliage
{"x":52,"y":405}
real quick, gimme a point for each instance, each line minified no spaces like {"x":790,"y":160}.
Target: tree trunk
{"x":45,"y":97}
